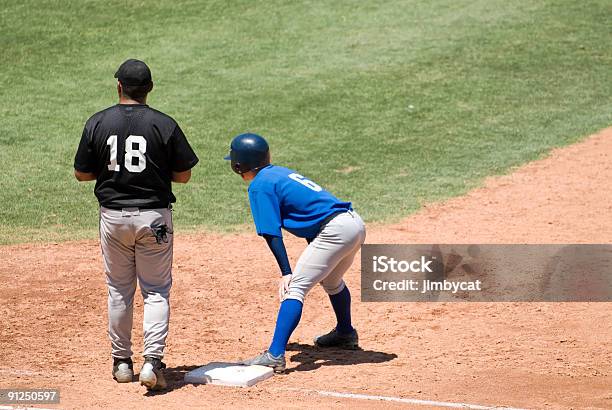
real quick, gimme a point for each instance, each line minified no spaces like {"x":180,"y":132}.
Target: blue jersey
{"x":282,"y":198}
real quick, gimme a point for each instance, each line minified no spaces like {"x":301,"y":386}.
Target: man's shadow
{"x":311,"y":357}
{"x":175,"y":377}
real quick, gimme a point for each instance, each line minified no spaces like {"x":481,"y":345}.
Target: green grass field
{"x":389,"y":104}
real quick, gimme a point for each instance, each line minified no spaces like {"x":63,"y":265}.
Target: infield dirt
{"x":534,"y":355}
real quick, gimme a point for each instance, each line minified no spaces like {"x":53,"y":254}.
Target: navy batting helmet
{"x":248,"y":152}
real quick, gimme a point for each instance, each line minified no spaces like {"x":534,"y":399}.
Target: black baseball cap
{"x":133,"y":72}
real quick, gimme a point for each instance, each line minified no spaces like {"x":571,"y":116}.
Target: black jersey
{"x":133,"y":150}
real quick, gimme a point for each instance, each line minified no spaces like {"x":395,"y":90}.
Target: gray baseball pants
{"x":131,"y":253}
{"x":327,"y":258}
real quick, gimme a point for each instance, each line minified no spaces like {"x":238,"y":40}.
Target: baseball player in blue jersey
{"x":283,"y":199}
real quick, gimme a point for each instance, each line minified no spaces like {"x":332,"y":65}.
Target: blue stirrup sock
{"x":289,"y":316}
{"x":341,"y":302}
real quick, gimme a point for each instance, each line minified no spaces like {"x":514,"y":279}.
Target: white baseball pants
{"x":131,"y":253}
{"x":327,"y":258}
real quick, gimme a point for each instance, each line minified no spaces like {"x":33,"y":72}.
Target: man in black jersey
{"x":134,"y":153}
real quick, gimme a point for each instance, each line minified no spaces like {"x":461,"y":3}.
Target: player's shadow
{"x":311,"y":357}
{"x":175,"y":377}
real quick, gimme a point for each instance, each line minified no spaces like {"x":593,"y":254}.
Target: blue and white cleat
{"x":278,"y":364}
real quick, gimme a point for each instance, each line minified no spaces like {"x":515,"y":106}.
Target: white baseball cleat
{"x":152,"y":374}
{"x":123,"y":370}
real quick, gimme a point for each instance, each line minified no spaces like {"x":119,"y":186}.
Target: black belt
{"x":119,"y":208}
{"x":332,"y":216}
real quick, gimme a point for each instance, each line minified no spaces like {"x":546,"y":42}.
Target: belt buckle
{"x":125,"y":212}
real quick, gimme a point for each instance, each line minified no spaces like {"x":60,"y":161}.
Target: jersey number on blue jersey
{"x":130,"y":153}
{"x":306,"y":182}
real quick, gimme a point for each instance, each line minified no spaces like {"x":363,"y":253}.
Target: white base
{"x":228,"y":374}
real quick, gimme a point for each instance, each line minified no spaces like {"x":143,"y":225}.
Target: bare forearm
{"x":84,"y":176}
{"x":181,"y":177}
